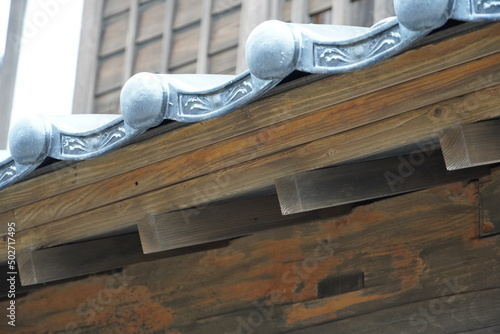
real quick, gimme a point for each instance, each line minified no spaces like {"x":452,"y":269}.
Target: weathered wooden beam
{"x":261,"y":173}
{"x":90,"y":257}
{"x":419,"y":252}
{"x":469,"y":145}
{"x":83,"y":100}
{"x":302,"y":100}
{"x":352,"y":183}
{"x":268,"y":141}
{"x":216,"y":222}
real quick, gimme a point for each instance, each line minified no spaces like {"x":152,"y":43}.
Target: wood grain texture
{"x":90,"y":257}
{"x":130,"y":45}
{"x":376,"y":137}
{"x":417,"y":251}
{"x":204,"y":42}
{"x":313,"y":126}
{"x":469,"y":145}
{"x":329,"y":91}
{"x":353,"y":183}
{"x":216,"y":222}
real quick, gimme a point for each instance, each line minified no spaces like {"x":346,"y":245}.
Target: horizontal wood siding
{"x":173,"y":43}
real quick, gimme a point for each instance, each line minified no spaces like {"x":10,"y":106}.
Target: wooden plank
{"x":420,"y":250}
{"x":225,"y":30}
{"x":469,"y":145}
{"x":224,"y":62}
{"x":90,"y":257}
{"x":86,"y":70}
{"x":204,"y":42}
{"x":185,"y":46}
{"x":275,"y":9}
{"x":152,"y":17}
{"x":217,"y":222}
{"x":114,"y":32}
{"x":358,"y":182}
{"x":167,"y":35}
{"x":187,"y":12}
{"x":253,"y":12}
{"x":110,"y":73}
{"x":370,"y":139}
{"x":108,"y":103}
{"x":8,"y":69}
{"x":300,"y":11}
{"x":319,"y":94}
{"x":113,"y":7}
{"x":279,"y":137}
{"x":130,"y":45}
{"x":147,"y":57}
{"x":489,"y":197}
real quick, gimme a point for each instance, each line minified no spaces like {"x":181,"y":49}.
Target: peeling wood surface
{"x":419,"y":251}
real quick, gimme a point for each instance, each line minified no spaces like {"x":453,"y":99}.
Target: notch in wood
{"x":337,"y":285}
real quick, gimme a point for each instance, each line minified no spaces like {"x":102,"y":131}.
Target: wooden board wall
{"x":175,"y":36}
{"x":409,"y":264}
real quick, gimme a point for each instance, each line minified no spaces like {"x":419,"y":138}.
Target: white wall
{"x":47,"y":63}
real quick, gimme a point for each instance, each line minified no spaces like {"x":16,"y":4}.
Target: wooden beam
{"x":285,"y":135}
{"x":8,"y":68}
{"x":166,"y":44}
{"x":316,"y":96}
{"x":489,"y":198}
{"x":261,"y":173}
{"x":216,"y":222}
{"x":469,"y":145}
{"x":130,"y":45}
{"x":86,"y":70}
{"x":90,"y":257}
{"x":352,"y":183}
{"x":205,"y":34}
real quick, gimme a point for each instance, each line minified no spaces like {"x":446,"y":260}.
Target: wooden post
{"x":130,"y":42}
{"x":166,"y":45}
{"x":253,"y":12}
{"x":300,"y":12}
{"x":205,"y":32}
{"x":86,"y":71}
{"x":8,"y":69}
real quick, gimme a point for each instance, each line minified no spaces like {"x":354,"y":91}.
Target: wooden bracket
{"x":367,"y":180}
{"x":220,"y":221}
{"x":469,"y":145}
